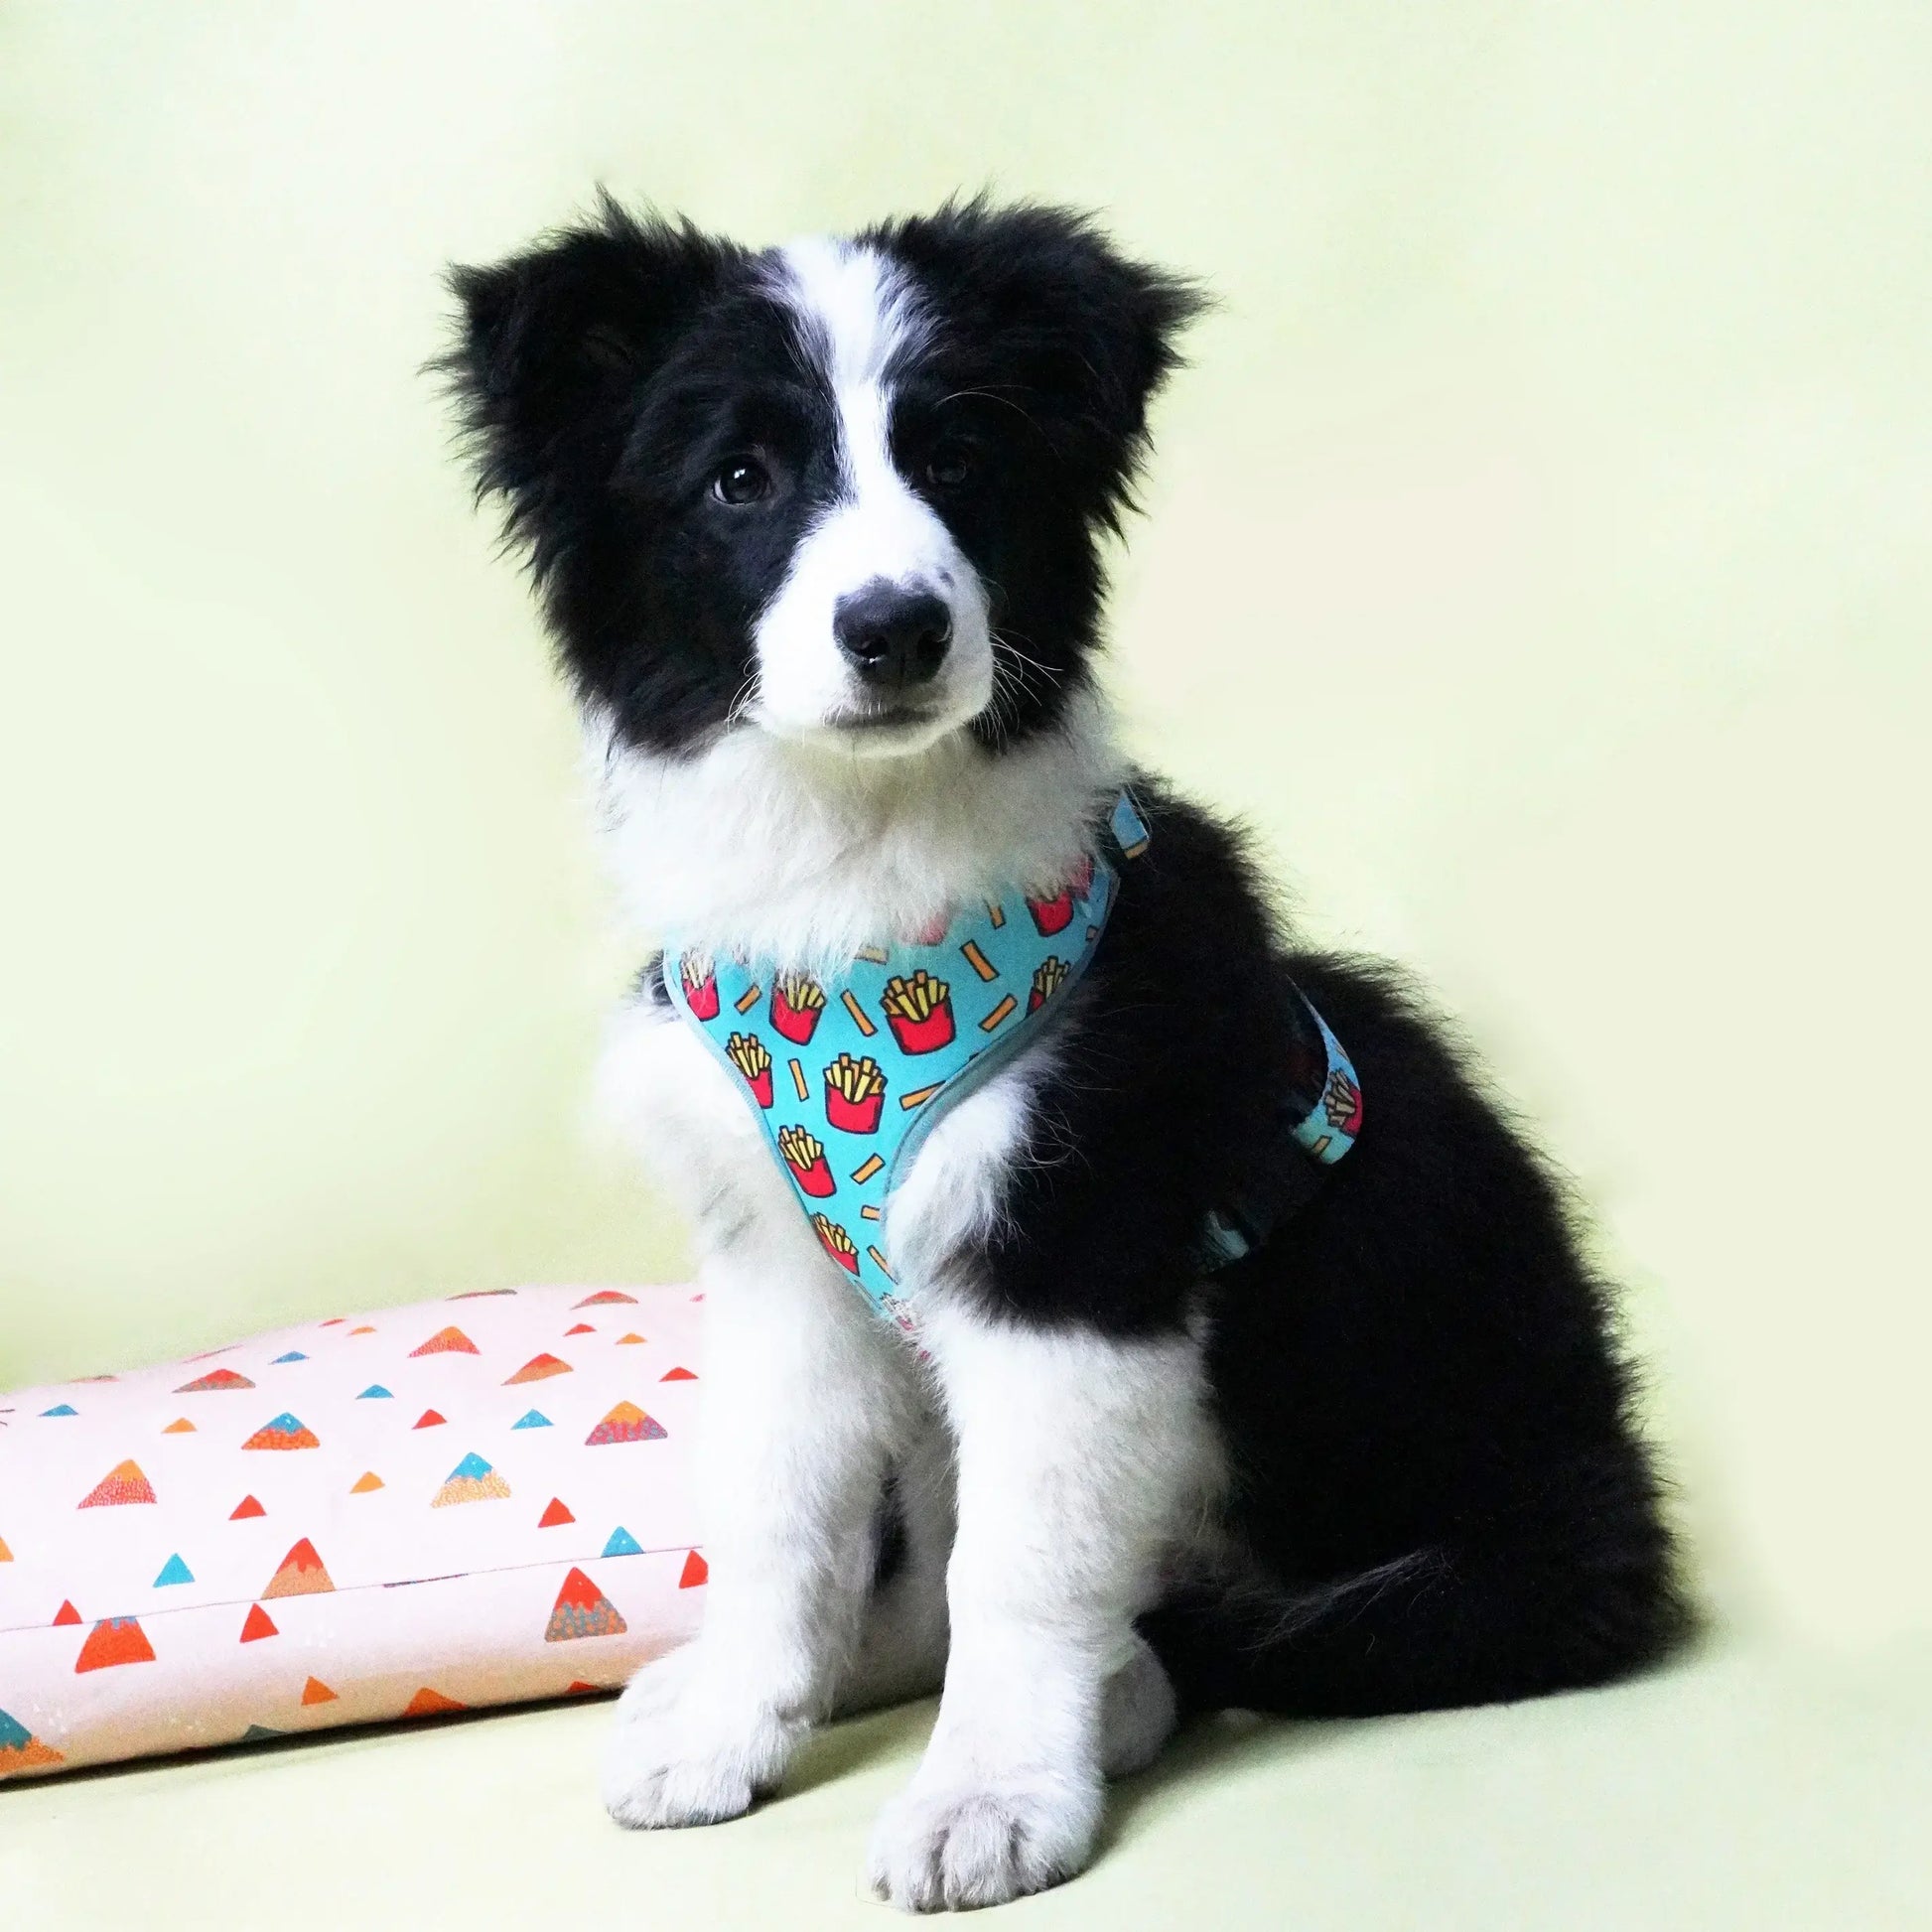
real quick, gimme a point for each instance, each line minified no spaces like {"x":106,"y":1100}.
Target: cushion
{"x":477,"y":1502}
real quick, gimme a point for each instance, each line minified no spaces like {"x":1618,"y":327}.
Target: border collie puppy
{"x":1175,"y":1410}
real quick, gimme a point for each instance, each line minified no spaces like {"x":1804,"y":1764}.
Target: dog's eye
{"x":742,"y":480}
{"x":949,"y":467}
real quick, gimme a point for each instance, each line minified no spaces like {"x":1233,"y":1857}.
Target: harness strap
{"x":848,"y":1076}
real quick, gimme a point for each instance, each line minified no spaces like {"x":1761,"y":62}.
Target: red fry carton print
{"x":797,"y":1002}
{"x":1051,"y":915}
{"x":805,"y":1156}
{"x":919,"y":1012}
{"x":836,"y":1243}
{"x":1342,"y":1103}
{"x":1048,"y":977}
{"x":855,"y":1091}
{"x":747,"y":1052}
{"x":700,"y":987}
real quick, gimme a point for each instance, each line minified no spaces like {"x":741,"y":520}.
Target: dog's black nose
{"x":895,"y":637}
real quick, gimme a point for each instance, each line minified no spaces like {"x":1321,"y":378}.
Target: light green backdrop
{"x":1538,"y":554}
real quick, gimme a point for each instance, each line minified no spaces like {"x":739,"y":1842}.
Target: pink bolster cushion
{"x":476,"y":1501}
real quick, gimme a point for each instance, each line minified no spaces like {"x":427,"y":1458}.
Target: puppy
{"x":1173,"y":1408}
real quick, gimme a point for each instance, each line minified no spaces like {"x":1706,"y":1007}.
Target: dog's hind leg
{"x":1138,"y":1713}
{"x":901,"y":1651}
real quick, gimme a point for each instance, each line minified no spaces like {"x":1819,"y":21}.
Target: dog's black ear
{"x":1088,"y":332}
{"x":553,"y":345}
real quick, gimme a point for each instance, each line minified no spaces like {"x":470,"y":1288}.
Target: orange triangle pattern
{"x":626,"y":1423}
{"x":285,"y":1432}
{"x":259,"y":1624}
{"x":317,"y":1692}
{"x":624,"y":1340}
{"x":247,"y":1507}
{"x":363,"y":1483}
{"x":365,"y":1330}
{"x":66,"y":1613}
{"x":554,"y":1515}
{"x":677,"y":1375}
{"x":6,"y":1555}
{"x":429,"y":1704}
{"x":219,"y":1378}
{"x":29,"y":1756}
{"x":604,"y":1297}
{"x":447,"y":1341}
{"x":114,"y":1641}
{"x":180,"y":1426}
{"x":123,"y":1483}
{"x":695,"y":1571}
{"x":302,"y":1574}
{"x":582,"y":1329}
{"x":538,"y":1368}
{"x":21,"y":1750}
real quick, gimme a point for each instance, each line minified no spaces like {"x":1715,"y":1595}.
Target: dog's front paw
{"x":690,"y":1748}
{"x":982,"y":1843}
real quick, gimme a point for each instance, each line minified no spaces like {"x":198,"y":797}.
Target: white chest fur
{"x":662,"y":1087}
{"x":757,"y":844}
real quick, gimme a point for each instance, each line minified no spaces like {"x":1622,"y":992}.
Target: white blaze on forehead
{"x":857,"y":317}
{"x":856,"y":307}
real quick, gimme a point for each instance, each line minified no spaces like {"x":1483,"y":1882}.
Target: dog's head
{"x":846,"y":492}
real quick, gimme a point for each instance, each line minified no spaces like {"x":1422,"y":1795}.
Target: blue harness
{"x":847,"y":1076}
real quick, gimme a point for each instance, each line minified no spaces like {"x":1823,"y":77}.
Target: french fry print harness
{"x":848,"y":1076}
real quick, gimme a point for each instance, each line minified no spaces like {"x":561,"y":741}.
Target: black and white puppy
{"x":1386,"y":1462}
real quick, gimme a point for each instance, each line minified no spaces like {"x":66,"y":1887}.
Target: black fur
{"x":1048,"y":349}
{"x":604,"y":374}
{"x":1439,"y":1493}
{"x":1440,"y":1497}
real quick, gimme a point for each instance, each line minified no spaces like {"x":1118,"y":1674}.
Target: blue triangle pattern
{"x":294,"y":1356}
{"x":255,"y":1732}
{"x":374,"y":1389}
{"x":536,"y":1418}
{"x":14,"y":1736}
{"x":174,"y":1570}
{"x":622,"y":1544}
{"x":472,"y":1465}
{"x":60,"y":1408}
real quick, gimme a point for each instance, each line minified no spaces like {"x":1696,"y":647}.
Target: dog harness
{"x":847,"y":1076}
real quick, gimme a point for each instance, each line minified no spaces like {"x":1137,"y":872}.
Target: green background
{"x":1537,"y":555}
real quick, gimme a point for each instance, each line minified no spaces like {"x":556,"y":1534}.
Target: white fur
{"x":803,"y":853}
{"x":1082,"y":1461}
{"x":807,"y":1394}
{"x":855,"y":316}
{"x":1067,"y":1462}
{"x":955,"y":1194}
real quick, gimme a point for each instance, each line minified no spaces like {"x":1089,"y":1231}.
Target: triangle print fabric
{"x":357,"y":1519}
